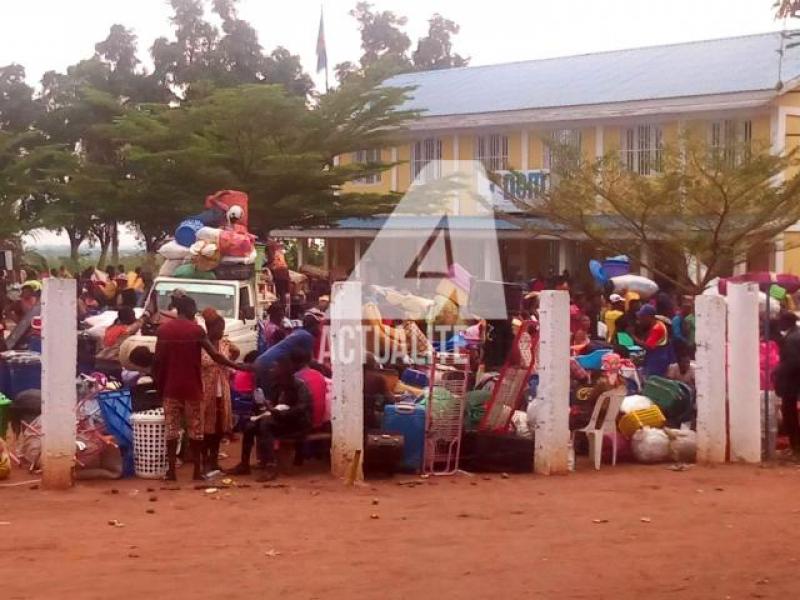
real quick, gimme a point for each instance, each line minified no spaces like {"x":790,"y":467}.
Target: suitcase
{"x":408,"y":420}
{"x":383,"y":454}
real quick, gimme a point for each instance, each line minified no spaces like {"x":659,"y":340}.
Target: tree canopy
{"x":700,"y":212}
{"x":385,"y":45}
{"x":109,"y":141}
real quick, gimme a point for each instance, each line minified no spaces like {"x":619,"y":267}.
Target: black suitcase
{"x":383,"y":454}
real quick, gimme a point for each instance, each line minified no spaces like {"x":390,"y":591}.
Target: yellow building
{"x":634,"y":102}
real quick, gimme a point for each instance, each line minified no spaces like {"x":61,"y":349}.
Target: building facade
{"x":731,"y":92}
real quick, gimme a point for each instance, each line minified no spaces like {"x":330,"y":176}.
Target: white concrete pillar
{"x":59,"y":360}
{"x":711,"y":313}
{"x":744,"y":410}
{"x":347,"y":359}
{"x":552,"y":425}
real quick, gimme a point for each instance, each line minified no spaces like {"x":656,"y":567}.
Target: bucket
{"x":614,"y":267}
{"x":186,"y":233}
{"x":150,"y":443}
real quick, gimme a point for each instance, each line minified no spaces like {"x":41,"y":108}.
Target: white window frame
{"x":423,"y":152}
{"x":571,"y":137}
{"x":642,"y":148}
{"x":730,"y":139}
{"x":367,"y":156}
{"x":492,"y":151}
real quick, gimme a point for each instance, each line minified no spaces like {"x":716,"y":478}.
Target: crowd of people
{"x":197,"y":375}
{"x":659,"y":335}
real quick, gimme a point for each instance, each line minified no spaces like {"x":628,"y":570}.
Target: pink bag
{"x":233,"y":243}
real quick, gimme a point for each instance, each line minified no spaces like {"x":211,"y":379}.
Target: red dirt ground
{"x":704,"y":533}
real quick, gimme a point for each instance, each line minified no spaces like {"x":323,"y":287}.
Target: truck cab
{"x":235,"y":301}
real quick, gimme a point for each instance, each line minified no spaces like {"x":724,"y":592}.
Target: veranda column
{"x":711,"y":313}
{"x":59,"y":360}
{"x":301,"y":251}
{"x":347,"y":359}
{"x":552,"y":426}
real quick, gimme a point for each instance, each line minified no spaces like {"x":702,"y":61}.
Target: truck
{"x":238,"y":302}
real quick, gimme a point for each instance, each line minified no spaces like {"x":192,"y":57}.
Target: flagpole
{"x":322,"y":50}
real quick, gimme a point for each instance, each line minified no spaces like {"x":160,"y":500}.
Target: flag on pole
{"x":322,"y":52}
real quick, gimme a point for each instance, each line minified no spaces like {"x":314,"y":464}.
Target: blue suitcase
{"x":408,"y":420}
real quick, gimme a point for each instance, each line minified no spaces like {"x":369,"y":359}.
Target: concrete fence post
{"x":59,"y":360}
{"x":552,"y":429}
{"x":711,"y":313}
{"x":744,"y":394}
{"x":347,"y":359}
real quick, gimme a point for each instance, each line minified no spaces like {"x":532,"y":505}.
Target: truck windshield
{"x":218,"y":296}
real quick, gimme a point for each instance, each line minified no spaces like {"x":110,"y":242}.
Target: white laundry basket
{"x":150,"y":443}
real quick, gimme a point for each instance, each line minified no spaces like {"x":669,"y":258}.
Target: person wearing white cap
{"x":613,"y":312}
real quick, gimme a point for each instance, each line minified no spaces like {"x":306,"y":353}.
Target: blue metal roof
{"x":424,"y":223}
{"x":722,"y":66}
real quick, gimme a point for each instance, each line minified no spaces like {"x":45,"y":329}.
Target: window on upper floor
{"x":424,"y":152}
{"x":642,"y":148}
{"x":730,"y":140}
{"x":562,"y":145}
{"x":492,"y":151}
{"x":366,"y":157}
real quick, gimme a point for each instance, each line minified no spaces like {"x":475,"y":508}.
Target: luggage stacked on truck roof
{"x":214,"y":244}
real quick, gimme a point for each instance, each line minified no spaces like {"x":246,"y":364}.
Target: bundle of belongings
{"x":653,"y":423}
{"x":98,"y":447}
{"x":214,"y":244}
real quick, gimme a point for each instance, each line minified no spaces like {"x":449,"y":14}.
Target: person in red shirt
{"x":658,"y":352}
{"x":315,"y":382}
{"x":177,"y":375}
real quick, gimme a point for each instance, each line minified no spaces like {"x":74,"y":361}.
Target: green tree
{"x":698,"y":214}
{"x":385,"y":46}
{"x":17,"y":108}
{"x":264,"y":141}
{"x":202,"y":58}
{"x":381,"y":35}
{"x":435,"y":51}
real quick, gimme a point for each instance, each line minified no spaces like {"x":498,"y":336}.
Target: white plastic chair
{"x":594,"y":432}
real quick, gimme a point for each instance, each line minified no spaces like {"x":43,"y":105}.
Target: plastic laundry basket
{"x":150,"y":443}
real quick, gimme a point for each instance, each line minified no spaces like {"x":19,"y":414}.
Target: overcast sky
{"x":52,"y":34}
